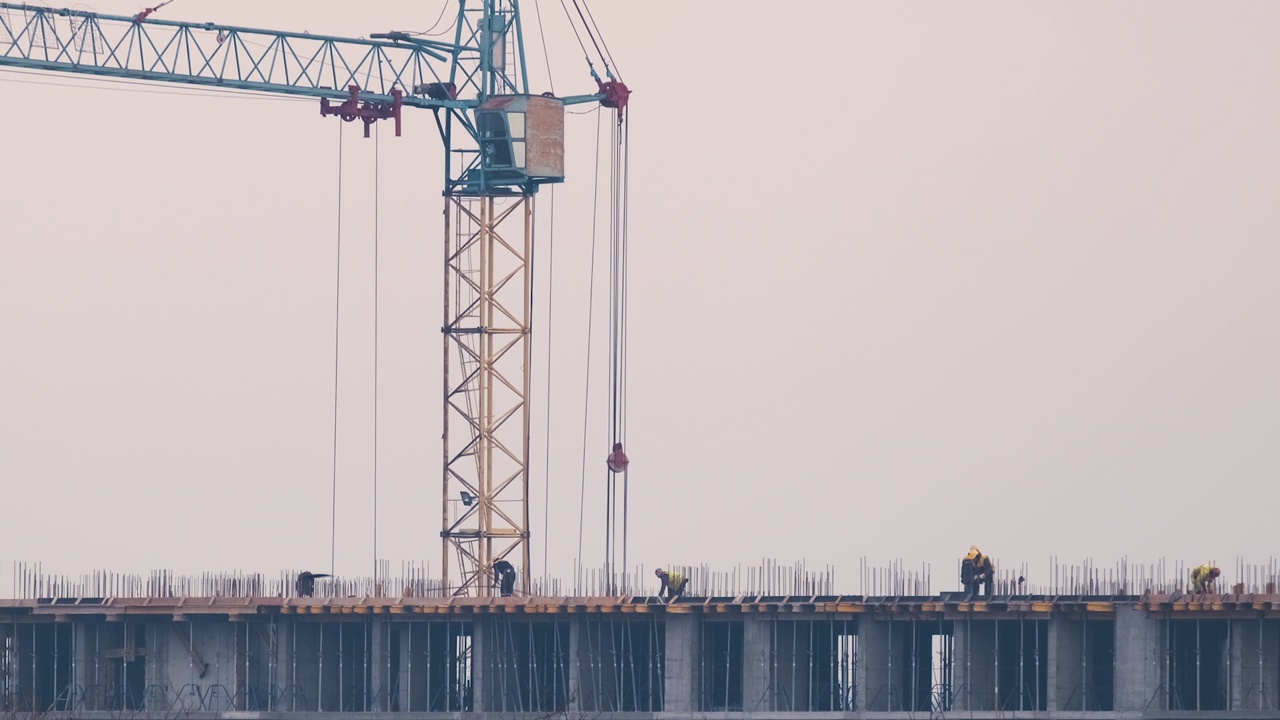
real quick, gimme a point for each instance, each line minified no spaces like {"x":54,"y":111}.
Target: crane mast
{"x":501,"y":144}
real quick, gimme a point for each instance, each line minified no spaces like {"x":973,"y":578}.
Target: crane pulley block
{"x":369,"y":111}
{"x":616,"y":93}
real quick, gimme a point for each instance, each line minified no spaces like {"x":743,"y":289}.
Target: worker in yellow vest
{"x":1202,"y":578}
{"x":977,"y":572}
{"x":672,"y":584}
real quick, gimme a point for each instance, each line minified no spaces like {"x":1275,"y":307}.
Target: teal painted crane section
{"x":372,"y":78}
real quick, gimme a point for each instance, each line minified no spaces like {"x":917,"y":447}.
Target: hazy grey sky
{"x":904,"y":277}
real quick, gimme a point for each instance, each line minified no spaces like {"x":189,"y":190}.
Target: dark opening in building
{"x":438,"y":667}
{"x":1196,"y":664}
{"x":339,"y":680}
{"x":620,"y":664}
{"x":720,"y":666}
{"x":42,"y":653}
{"x":909,"y":666}
{"x":813,"y":665}
{"x":1022,"y":667}
{"x":257,"y":654}
{"x":527,"y":668}
{"x":355,"y":665}
{"x":115,"y":671}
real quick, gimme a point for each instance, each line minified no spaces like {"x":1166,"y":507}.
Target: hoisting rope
{"x":377,"y":173}
{"x":551,"y":284}
{"x":608,"y":56}
{"x":586,"y":397}
{"x":618,"y":331}
{"x":585,"y":55}
{"x":337,"y":325}
{"x":587,"y":26}
{"x":618,"y":344}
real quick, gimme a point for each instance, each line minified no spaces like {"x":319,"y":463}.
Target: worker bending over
{"x":977,"y":572}
{"x":1202,"y":578}
{"x":305,"y":585}
{"x":672,"y":584}
{"x":504,"y":576}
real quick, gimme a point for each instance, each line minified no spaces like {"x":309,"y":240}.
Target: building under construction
{"x":241,"y":647}
{"x":224,"y":647}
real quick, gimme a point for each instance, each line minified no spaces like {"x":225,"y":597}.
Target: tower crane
{"x":502,"y":143}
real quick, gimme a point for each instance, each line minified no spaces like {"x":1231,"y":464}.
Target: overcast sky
{"x":903,"y":278}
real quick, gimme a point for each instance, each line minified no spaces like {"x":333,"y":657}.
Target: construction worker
{"x":1202,"y":578}
{"x":977,"y":571}
{"x":504,"y":576}
{"x":673,"y":584}
{"x":305,"y":585}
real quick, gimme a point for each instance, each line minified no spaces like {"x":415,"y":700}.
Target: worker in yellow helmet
{"x":977,"y":571}
{"x":1202,"y":578}
{"x":672,"y":584}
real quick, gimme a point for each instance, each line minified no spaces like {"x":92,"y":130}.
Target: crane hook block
{"x":616,"y":93}
{"x":367,"y":111}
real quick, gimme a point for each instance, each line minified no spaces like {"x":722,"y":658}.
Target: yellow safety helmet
{"x":973,"y":553}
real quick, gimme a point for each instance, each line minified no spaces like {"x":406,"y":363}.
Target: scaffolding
{"x":812,"y":665}
{"x":621,"y":664}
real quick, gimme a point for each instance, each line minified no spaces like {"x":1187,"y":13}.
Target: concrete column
{"x":1065,"y":670}
{"x":405,"y":662}
{"x":287,"y":643}
{"x":167,"y":662}
{"x":379,"y":676}
{"x":81,"y":666}
{"x":575,"y":662}
{"x":871,"y":675}
{"x":757,"y":651}
{"x":1139,"y":660}
{"x":305,"y":666}
{"x":975,"y":672}
{"x":680,"y":686}
{"x":480,"y":634}
{"x":276,"y":653}
{"x":1255,"y":664}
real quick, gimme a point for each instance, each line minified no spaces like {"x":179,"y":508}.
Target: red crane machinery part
{"x":616,"y":93}
{"x":618,"y":460}
{"x":370,"y":112}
